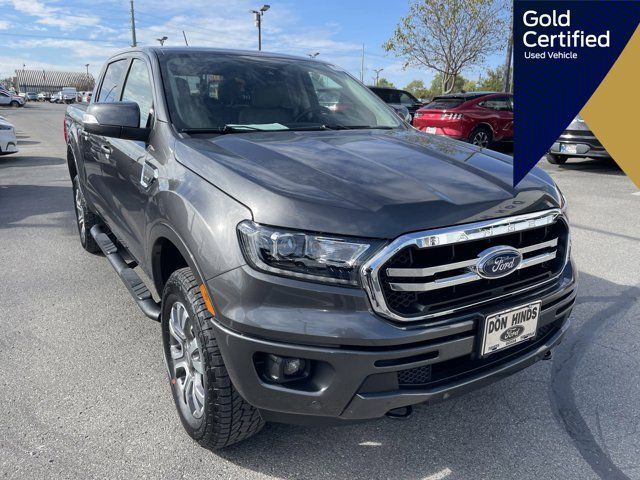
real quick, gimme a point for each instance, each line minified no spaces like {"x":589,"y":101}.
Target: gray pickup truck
{"x":310,"y":264}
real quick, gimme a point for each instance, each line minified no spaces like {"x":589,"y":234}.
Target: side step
{"x":129,"y":277}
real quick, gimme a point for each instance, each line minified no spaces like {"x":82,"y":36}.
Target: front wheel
{"x":210,"y":408}
{"x":14,"y":104}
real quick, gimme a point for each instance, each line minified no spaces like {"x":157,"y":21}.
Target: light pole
{"x":377,"y":70}
{"x":162,"y":40}
{"x":258,"y":16}
{"x":87,"y":65}
{"x":313,"y":55}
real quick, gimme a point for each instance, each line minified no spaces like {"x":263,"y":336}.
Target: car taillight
{"x":418,"y":115}
{"x":451,"y":116}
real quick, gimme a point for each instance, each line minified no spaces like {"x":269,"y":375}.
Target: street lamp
{"x":162,"y":40}
{"x":377,"y":70}
{"x":258,"y":16}
{"x":313,"y":55}
{"x":87,"y":65}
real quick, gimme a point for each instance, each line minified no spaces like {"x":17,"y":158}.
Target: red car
{"x":476,"y":117}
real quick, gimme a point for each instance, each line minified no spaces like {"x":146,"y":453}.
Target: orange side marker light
{"x":207,"y":300}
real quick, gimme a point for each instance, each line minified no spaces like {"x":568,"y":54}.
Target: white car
{"x":8,"y":141}
{"x":11,"y":100}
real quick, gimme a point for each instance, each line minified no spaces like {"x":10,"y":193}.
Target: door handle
{"x":106,"y":148}
{"x":148,"y":175}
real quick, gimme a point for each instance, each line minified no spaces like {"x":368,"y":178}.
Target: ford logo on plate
{"x":511,"y":333}
{"x":497,"y":262}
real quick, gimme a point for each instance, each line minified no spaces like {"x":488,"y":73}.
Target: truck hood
{"x":370,"y":183}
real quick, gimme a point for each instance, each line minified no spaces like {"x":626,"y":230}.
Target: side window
{"x":497,"y":103}
{"x":110,"y":89}
{"x":406,"y":99}
{"x":138,"y":89}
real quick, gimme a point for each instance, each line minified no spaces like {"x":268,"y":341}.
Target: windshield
{"x":229,"y":92}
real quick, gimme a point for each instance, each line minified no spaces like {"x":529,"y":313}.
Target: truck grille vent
{"x":421,"y":281}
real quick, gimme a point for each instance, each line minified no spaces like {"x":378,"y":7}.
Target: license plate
{"x":510,"y":327}
{"x":568,"y":148}
{"x":432,"y":130}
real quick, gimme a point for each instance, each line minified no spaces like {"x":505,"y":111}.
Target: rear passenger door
{"x":501,"y":119}
{"x":129,"y":159}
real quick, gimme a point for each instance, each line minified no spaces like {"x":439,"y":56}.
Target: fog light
{"x":286,"y":369}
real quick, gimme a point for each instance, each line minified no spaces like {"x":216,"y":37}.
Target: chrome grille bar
{"x":465,"y":277}
{"x":429,"y":271}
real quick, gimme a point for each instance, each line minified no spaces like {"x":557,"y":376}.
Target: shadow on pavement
{"x":475,"y":436}
{"x":18,"y":202}
{"x":18,"y":161}
{"x":597,"y":165}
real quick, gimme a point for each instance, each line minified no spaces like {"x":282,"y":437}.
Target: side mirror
{"x":116,"y":120}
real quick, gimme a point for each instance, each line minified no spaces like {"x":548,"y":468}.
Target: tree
{"x":436,"y":85}
{"x":492,"y":80}
{"x":450,"y":35}
{"x":417,"y":88}
{"x":383,"y":82}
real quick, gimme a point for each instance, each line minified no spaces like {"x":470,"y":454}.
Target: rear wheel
{"x":85,"y":219}
{"x":210,"y":408}
{"x":556,"y":159}
{"x":481,"y":136}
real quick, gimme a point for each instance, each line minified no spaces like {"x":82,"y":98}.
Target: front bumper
{"x":357,"y":355}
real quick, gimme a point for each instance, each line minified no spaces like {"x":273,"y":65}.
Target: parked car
{"x":32,"y":96}
{"x":69,"y":95}
{"x":576,"y":141}
{"x":23,"y":96}
{"x":480,"y":118}
{"x":56,"y":97}
{"x":86,"y":97}
{"x":44,"y":96}
{"x":10,"y":99}
{"x":313,"y":265}
{"x":8,"y":141}
{"x":398,"y":98}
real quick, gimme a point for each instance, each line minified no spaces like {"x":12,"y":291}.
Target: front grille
{"x":414,"y":376}
{"x":422,"y":280}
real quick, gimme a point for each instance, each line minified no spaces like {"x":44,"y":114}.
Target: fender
{"x":164,"y":230}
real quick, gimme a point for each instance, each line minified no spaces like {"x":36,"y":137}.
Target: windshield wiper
{"x":233,"y":128}
{"x":357,"y":127}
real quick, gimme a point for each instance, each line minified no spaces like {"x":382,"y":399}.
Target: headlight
{"x":563,"y":201}
{"x":292,"y":253}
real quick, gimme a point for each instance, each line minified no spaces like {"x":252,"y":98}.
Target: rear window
{"x":444,"y":103}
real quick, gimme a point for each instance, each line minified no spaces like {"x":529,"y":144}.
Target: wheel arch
{"x":169,"y":253}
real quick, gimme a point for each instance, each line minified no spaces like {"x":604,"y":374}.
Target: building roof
{"x":51,"y":79}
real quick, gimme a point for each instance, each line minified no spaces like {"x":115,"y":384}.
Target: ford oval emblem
{"x":498,"y":262}
{"x":511,"y":333}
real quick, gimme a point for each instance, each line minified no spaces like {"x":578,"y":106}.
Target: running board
{"x":129,"y":277}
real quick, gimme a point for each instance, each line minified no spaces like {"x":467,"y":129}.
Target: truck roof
{"x":159,"y":50}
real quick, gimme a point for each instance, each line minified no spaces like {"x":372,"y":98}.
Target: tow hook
{"x":402,"y":412}
{"x":547,"y":355}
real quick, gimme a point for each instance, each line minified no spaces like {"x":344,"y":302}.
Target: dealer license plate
{"x":568,"y":148}
{"x":432,"y":130}
{"x":510,"y":327}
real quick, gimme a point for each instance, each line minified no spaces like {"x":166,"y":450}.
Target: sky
{"x":67,"y":34}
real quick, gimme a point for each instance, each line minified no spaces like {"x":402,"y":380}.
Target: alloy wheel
{"x":187,"y":361}
{"x":481,"y":139}
{"x":80,"y":213}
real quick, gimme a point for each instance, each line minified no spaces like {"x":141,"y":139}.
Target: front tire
{"x":14,"y":104}
{"x":210,"y":408}
{"x":85,"y":219}
{"x":556,"y":159}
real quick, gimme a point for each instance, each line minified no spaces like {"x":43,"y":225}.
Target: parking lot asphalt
{"x":85,"y":394}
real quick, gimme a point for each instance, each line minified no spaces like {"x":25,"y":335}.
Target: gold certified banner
{"x":613,"y":111}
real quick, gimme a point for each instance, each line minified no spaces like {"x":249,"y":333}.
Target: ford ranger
{"x":310,"y":264}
